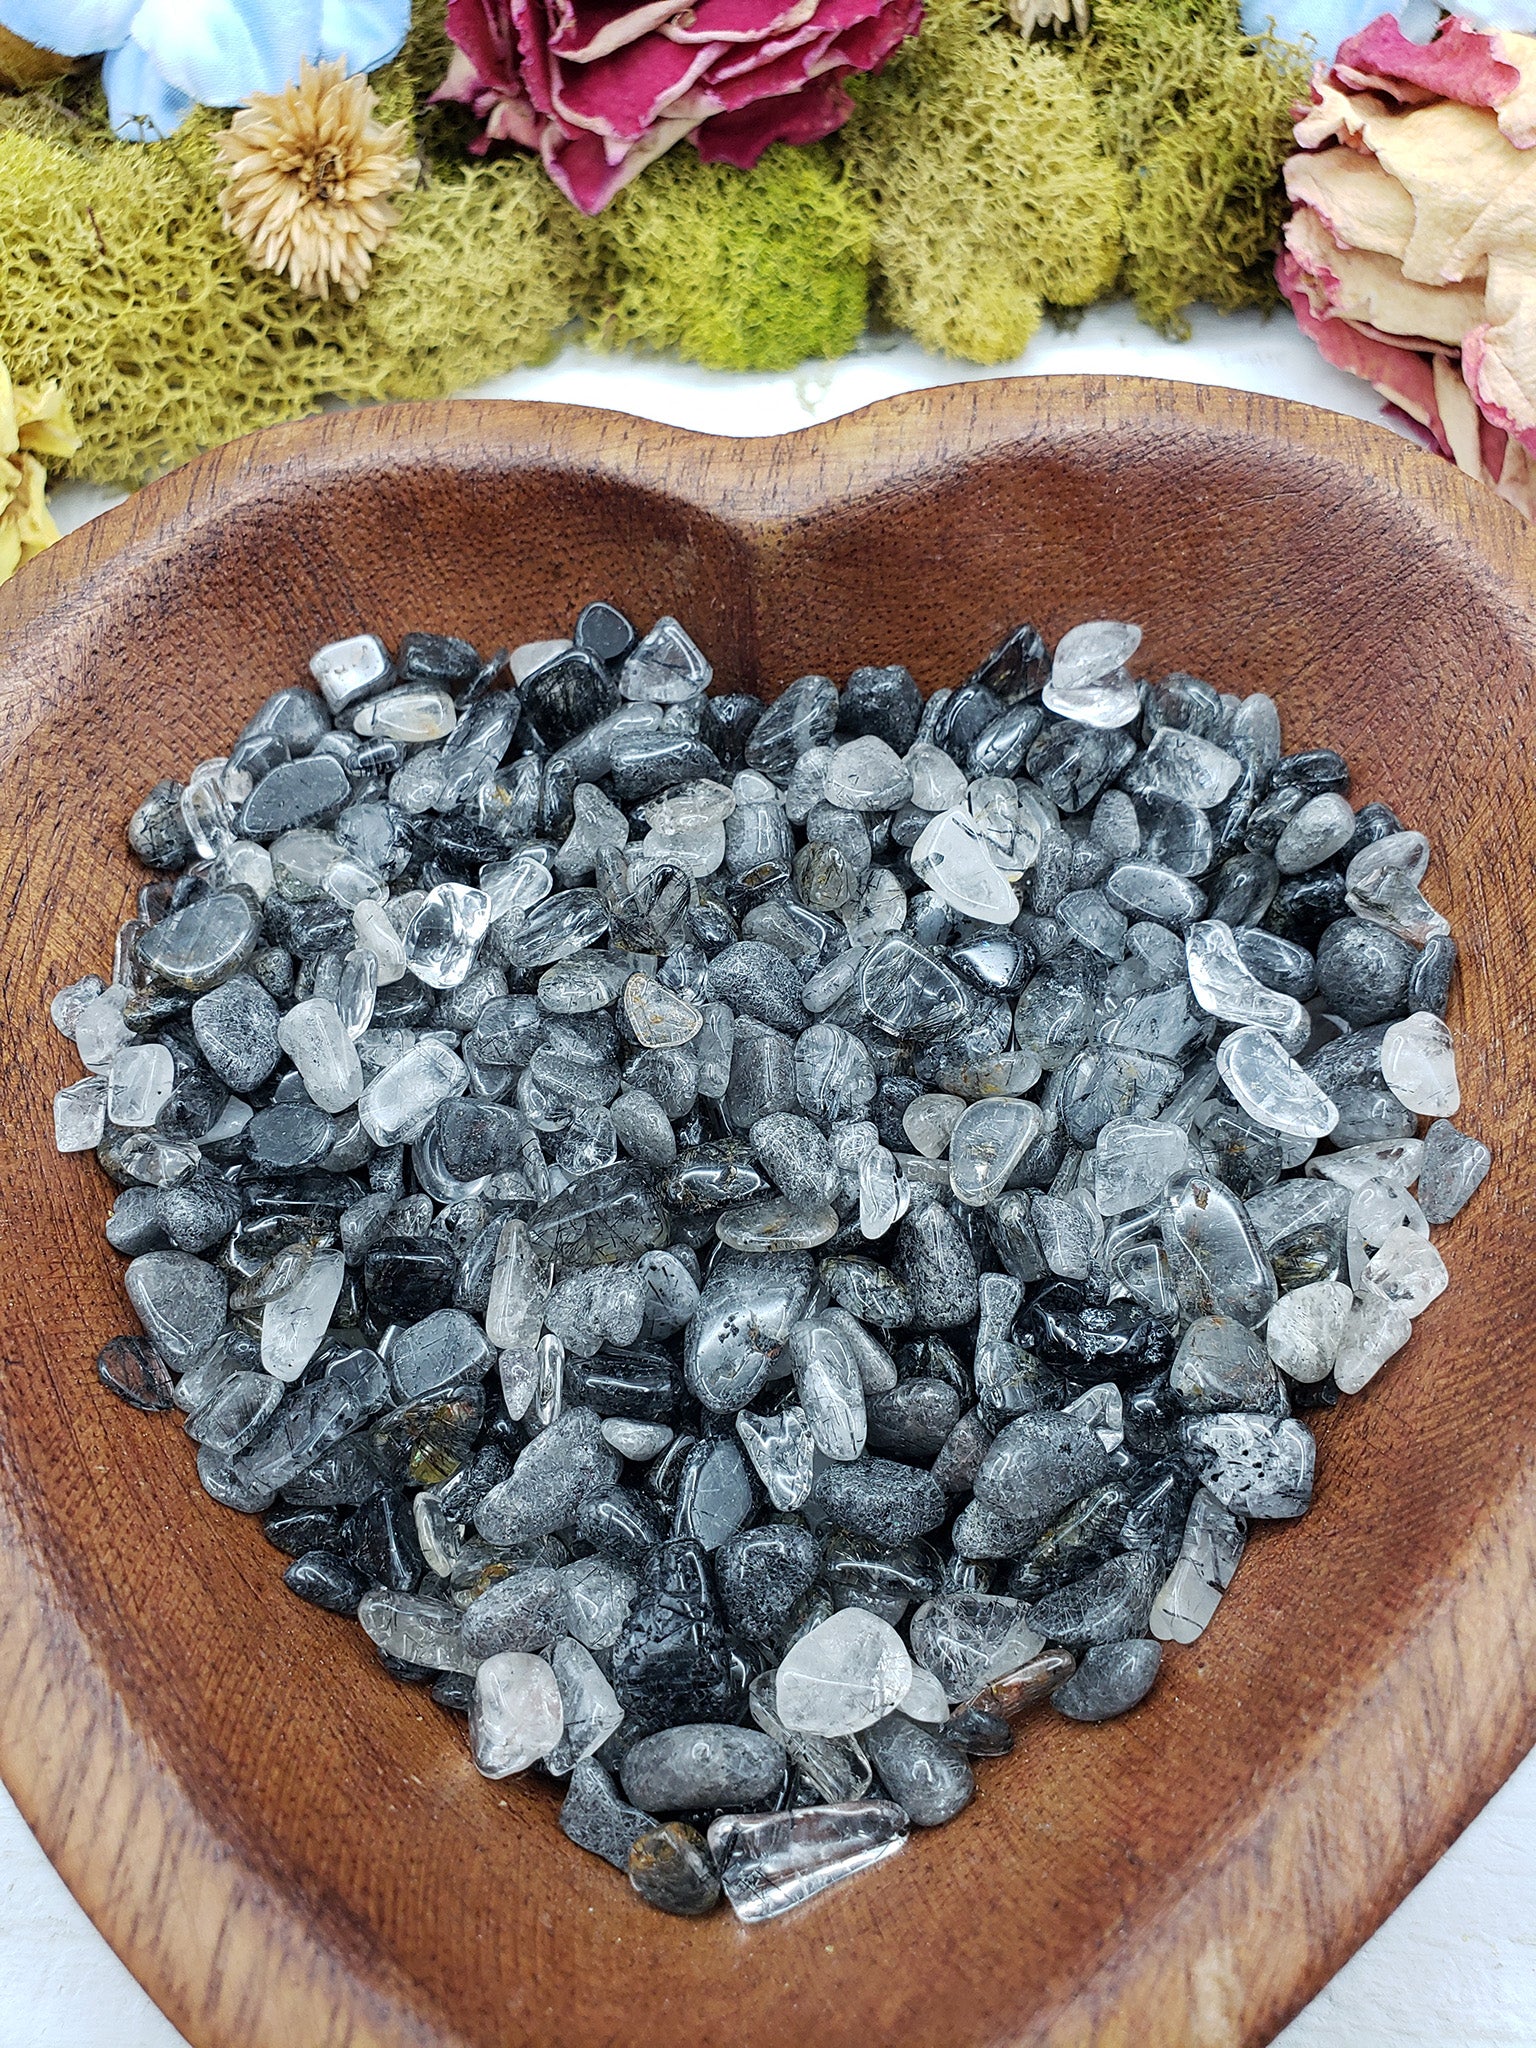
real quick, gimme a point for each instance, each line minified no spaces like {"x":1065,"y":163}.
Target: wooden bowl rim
{"x":328,"y":1982}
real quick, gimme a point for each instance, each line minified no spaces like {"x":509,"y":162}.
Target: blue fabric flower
{"x":1331,"y":22}
{"x":165,"y":57}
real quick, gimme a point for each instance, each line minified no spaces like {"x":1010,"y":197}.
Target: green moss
{"x":754,"y":272}
{"x":986,"y":162}
{"x":981,"y":181}
{"x":1200,"y":118}
{"x":117,"y":276}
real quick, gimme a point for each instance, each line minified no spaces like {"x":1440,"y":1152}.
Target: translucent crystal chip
{"x":843,"y":1675}
{"x":1418,"y":1063}
{"x":443,"y":937}
{"x":414,"y":715}
{"x":80,"y":1115}
{"x":955,"y":859}
{"x":665,"y":667}
{"x":771,"y":1862}
{"x":987,"y":1143}
{"x":1267,"y":1082}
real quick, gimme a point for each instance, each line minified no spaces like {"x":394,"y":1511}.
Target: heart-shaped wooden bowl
{"x":291,"y":1852}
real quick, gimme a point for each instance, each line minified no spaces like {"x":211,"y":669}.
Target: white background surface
{"x":1455,"y":1966}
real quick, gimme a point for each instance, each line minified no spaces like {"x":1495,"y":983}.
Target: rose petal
{"x":740,"y":138}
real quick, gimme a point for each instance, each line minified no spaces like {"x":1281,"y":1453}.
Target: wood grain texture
{"x":292,"y":1853}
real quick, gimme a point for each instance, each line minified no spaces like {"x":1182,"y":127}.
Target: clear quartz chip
{"x":665,"y":667}
{"x":517,"y":1715}
{"x":956,"y":860}
{"x":1267,"y":1082}
{"x":396,"y":1107}
{"x":415,"y":1629}
{"x":867,"y":774}
{"x":322,"y":1049}
{"x":520,"y":1284}
{"x":80,"y":1115}
{"x":843,"y":1675}
{"x":657,"y":1015}
{"x":1226,"y":988}
{"x":1418,"y":1063}
{"x":413,"y":715}
{"x":100,"y":1032}
{"x":831,"y":1389}
{"x":139,"y":1086}
{"x":771,"y":1862}
{"x":294,"y":1323}
{"x":1305,"y":1329}
{"x":1218,"y":1264}
{"x":370,"y":921}
{"x":969,"y":1640}
{"x":783,"y":1454}
{"x":987,"y":1143}
{"x":347,"y":671}
{"x":443,"y":937}
{"x":1381,"y":884}
{"x":1134,"y":1161}
{"x":1209,"y":1555}
{"x":776,"y":1225}
{"x":1375,"y":1330}
{"x":590,"y":1710}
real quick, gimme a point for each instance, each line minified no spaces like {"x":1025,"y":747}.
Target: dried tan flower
{"x":309,"y":170}
{"x":1037,"y":17}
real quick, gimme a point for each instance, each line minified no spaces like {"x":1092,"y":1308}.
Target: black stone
{"x":1363,"y":971}
{"x":297,"y":717}
{"x":1017,"y":667}
{"x":199,"y":1213}
{"x":621,"y":1525}
{"x":1090,"y":1340}
{"x":436,"y":659}
{"x":407,"y":1279}
{"x":672,"y":1662}
{"x":477,"y":1138}
{"x":131,"y":1368}
{"x":157,"y":832}
{"x":727,"y":722}
{"x":326,"y":1581}
{"x":762,"y":1573}
{"x":913,"y":1418}
{"x":889,"y":1502}
{"x":1072,"y":763}
{"x":1318,"y":771}
{"x":289,"y":1137}
{"x":885,"y":702}
{"x":1429,"y":985}
{"x":1305,"y":904}
{"x":380,"y":1542}
{"x":602,"y":631}
{"x":570,"y":692}
{"x":295,"y":794}
{"x":297,"y":1530}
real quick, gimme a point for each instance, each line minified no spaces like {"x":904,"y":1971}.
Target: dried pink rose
{"x":1410,"y":257}
{"x":600,"y":89}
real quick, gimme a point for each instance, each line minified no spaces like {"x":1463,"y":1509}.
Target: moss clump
{"x":118,"y":278}
{"x":481,"y":275}
{"x":754,"y":272}
{"x":986,"y":161}
{"x":1200,"y":119}
{"x":982,"y":180}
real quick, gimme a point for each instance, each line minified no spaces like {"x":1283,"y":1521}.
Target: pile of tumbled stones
{"x":751,"y":1245}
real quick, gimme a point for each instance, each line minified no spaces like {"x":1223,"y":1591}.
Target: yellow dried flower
{"x":34,"y":422}
{"x":309,"y":170}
